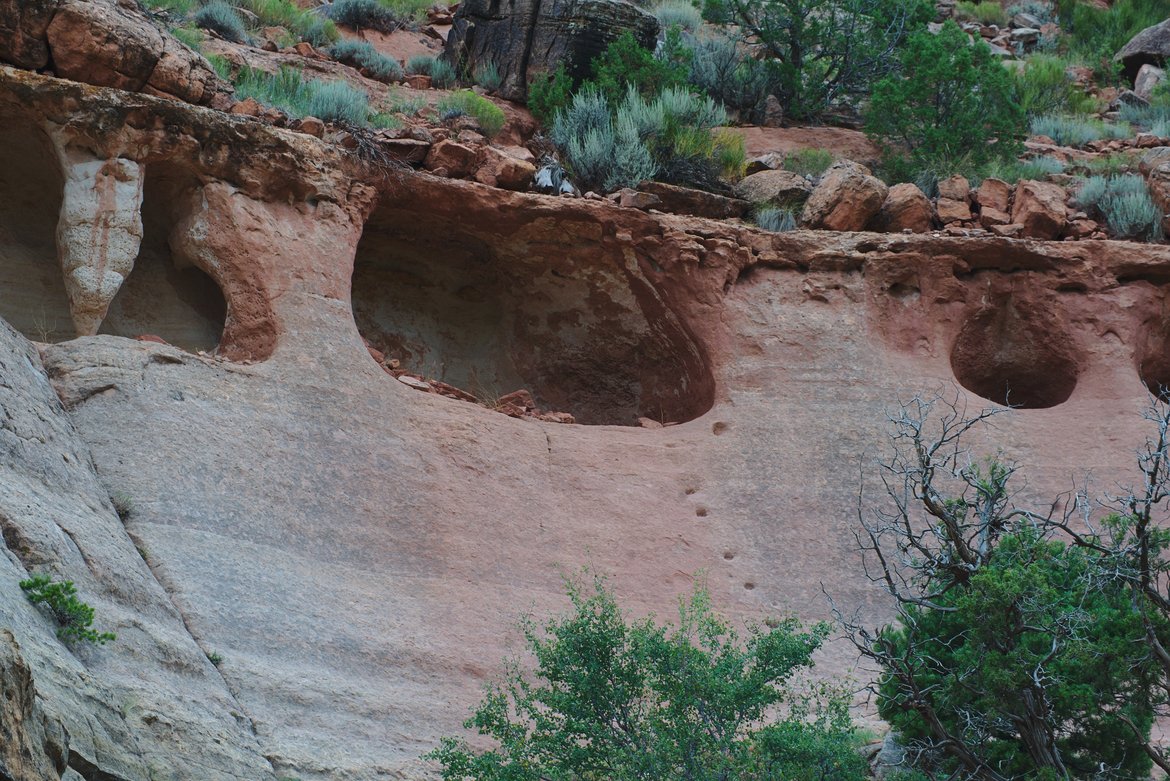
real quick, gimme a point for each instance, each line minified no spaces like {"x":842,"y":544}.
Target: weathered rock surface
{"x":1149,"y":47}
{"x":845,"y":199}
{"x":356,"y":551}
{"x":994,"y":194}
{"x":32,"y":746}
{"x":525,"y":38}
{"x":1147,"y":80}
{"x":1040,"y":208}
{"x":906,"y":208}
{"x":107,"y":43}
{"x":129,"y":706}
{"x":780,"y":188}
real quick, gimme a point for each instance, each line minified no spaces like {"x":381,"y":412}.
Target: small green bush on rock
{"x":74,"y":618}
{"x":360,"y":14}
{"x":362,"y":54}
{"x":221,"y":18}
{"x":465,"y":102}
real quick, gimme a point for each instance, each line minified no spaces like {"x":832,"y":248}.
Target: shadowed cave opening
{"x":1015,"y":354}
{"x":32,"y":288}
{"x":570,"y":324}
{"x":180,"y":304}
{"x":1153,"y":358}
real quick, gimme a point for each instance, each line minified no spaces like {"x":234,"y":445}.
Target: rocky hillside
{"x":310,"y":411}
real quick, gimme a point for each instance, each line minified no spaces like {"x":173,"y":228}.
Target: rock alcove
{"x":32,"y":290}
{"x":179,"y":303}
{"x":491,"y":308}
{"x":1016,"y":353}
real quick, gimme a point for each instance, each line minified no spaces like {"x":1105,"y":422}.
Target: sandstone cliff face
{"x":355,"y":551}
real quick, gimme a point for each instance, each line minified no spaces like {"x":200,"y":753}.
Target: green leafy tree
{"x":616,"y":700}
{"x":823,"y":52}
{"x":625,"y":62}
{"x":548,"y":93}
{"x":949,"y":107}
{"x":1018,"y":652}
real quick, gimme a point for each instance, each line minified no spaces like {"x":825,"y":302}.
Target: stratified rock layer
{"x":354,"y":553}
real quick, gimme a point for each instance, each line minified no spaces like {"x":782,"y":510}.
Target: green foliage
{"x":487,"y":75}
{"x":1077,"y":131}
{"x":221,"y":65}
{"x":360,"y":14}
{"x":409,"y":12}
{"x":1043,"y":87}
{"x":678,"y":13}
{"x":613,"y":699}
{"x":399,"y":102}
{"x":303,"y":25}
{"x":1033,"y":605}
{"x":823,"y":52}
{"x":1095,"y":34}
{"x":180,"y":8}
{"x":669,"y":138}
{"x":808,"y":162}
{"x":1012,"y":171}
{"x":549,"y":93}
{"x":74,"y":618}
{"x":336,"y":101}
{"x":778,"y":220}
{"x":1123,"y":202}
{"x":465,"y":102}
{"x":948,"y":109}
{"x":287,"y":90}
{"x":442,"y":73}
{"x":189,"y":36}
{"x":720,"y":68}
{"x":986,"y":12}
{"x":624,"y":62}
{"x":221,"y":18}
{"x":363,"y":55}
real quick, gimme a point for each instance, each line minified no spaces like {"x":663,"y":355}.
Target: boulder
{"x":699,"y":203}
{"x":994,"y":194}
{"x":1148,"y":77}
{"x":22,"y":33}
{"x":113,"y":45}
{"x":1152,"y":158}
{"x":846,"y":199}
{"x":951,"y":210}
{"x":1149,"y":47}
{"x":1040,"y":209}
{"x":955,"y":188}
{"x":499,"y":169}
{"x":632,"y":199}
{"x":1159,"y":183}
{"x":906,"y":208}
{"x":524,"y":38}
{"x":779,"y":188}
{"x":455,"y":158}
{"x":991,"y":216}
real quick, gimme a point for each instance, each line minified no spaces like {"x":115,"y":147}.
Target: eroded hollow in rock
{"x":1015,"y":353}
{"x":568,"y":322}
{"x":1153,"y":358}
{"x":182,"y":305}
{"x":32,"y":288}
